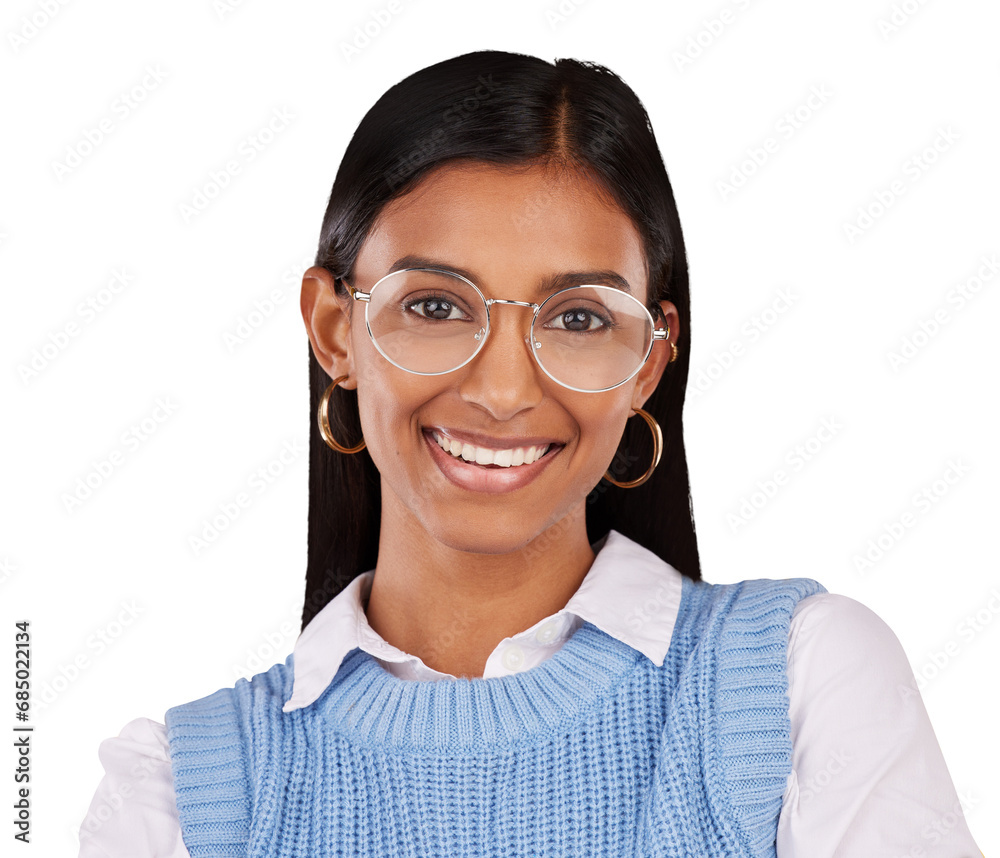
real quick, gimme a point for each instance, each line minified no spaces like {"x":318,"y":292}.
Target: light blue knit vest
{"x":594,"y":752}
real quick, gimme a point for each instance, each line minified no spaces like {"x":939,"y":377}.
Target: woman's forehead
{"x":501,"y":219}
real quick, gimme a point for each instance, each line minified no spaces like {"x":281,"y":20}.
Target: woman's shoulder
{"x":836,"y":619}
{"x":820,"y":624}
{"x":134,"y":801}
{"x":140,"y":736}
{"x":832,"y":631}
{"x":750,"y":597}
{"x":273,"y":684}
{"x":825,"y":634}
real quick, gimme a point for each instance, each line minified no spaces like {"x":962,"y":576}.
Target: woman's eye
{"x":579,"y":320}
{"x":438,"y":309}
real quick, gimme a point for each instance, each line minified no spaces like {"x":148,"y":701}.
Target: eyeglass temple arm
{"x":357,"y":294}
{"x":660,"y":333}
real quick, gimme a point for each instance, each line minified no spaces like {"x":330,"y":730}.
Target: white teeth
{"x":485,"y":456}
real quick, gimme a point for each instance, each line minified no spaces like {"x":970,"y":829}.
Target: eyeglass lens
{"x":587,"y":337}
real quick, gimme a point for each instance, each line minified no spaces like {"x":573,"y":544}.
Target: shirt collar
{"x":628,"y":592}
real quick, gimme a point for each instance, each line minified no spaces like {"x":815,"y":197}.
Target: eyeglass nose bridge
{"x":491,"y":301}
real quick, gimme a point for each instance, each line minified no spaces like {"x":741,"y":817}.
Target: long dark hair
{"x":504,"y":109}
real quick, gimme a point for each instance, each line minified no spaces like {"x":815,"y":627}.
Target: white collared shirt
{"x":868,"y":776}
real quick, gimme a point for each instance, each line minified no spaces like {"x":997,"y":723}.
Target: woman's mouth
{"x":485,"y":469}
{"x":489,"y":458}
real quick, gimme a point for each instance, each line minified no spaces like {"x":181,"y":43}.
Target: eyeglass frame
{"x":658,"y":333}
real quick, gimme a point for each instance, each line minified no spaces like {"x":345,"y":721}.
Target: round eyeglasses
{"x":430,"y":321}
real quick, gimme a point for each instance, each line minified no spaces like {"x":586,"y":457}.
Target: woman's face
{"x":510,"y":230}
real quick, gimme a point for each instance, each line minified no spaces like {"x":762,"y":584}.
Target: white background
{"x":193,"y":621}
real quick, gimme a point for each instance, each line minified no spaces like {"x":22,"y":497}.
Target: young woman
{"x":507,"y":647}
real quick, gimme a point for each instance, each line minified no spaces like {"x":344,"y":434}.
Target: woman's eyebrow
{"x":552,"y":283}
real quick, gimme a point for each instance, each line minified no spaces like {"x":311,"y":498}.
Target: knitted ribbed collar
{"x":375,"y":709}
{"x":629,"y":593}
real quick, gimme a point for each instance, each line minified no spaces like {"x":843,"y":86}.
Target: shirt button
{"x":547,"y":632}
{"x":513,"y":657}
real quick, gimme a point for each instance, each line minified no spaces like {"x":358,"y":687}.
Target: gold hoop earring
{"x":654,"y":427}
{"x":324,"y":421}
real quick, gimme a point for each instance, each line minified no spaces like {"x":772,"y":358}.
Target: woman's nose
{"x":503,"y":377}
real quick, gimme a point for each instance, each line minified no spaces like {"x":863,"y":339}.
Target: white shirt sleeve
{"x":868,"y":776}
{"x":134,"y":812}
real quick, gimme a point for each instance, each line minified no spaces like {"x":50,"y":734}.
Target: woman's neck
{"x":436,"y":597}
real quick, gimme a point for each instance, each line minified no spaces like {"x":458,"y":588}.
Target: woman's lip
{"x":477,"y":478}
{"x":489,"y":442}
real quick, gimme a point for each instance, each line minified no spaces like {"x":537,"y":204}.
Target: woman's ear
{"x":328,"y":325}
{"x":659,"y":356}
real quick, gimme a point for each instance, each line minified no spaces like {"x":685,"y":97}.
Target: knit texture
{"x":596,"y":751}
